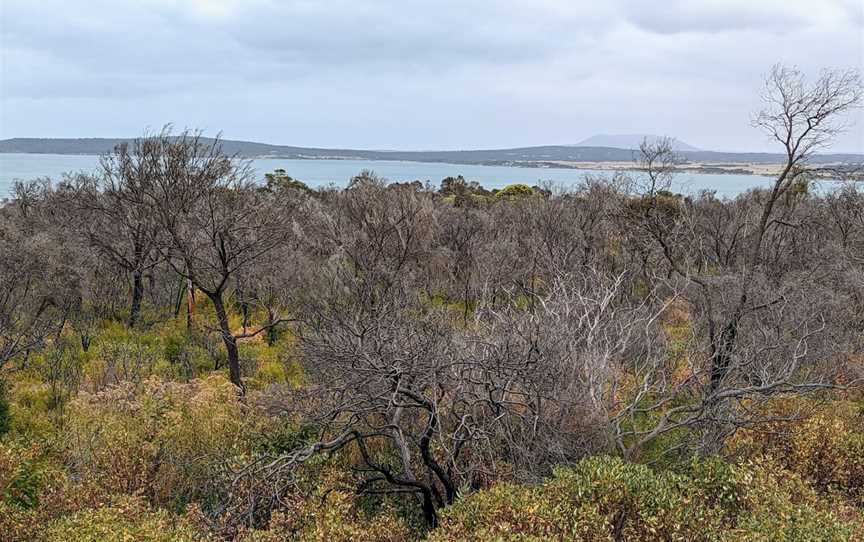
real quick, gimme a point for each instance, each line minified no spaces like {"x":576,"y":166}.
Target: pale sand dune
{"x":698,"y":167}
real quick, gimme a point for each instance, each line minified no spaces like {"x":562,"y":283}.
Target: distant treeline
{"x":517,"y":156}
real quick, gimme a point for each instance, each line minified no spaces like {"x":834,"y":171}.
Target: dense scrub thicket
{"x":187,"y":355}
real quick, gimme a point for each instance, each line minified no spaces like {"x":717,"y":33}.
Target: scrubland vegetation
{"x":187,"y":355}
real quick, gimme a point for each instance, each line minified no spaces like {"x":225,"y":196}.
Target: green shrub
{"x":605,"y":499}
{"x":332,"y":513}
{"x":663,"y":206}
{"x":514,"y":192}
{"x":30,"y":401}
{"x":171,"y":441}
{"x":598,"y":499}
{"x":826,"y":449}
{"x":34,"y":489}
{"x":127,"y":519}
{"x":23,"y":487}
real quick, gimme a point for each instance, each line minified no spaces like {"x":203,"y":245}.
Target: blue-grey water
{"x":315,"y":173}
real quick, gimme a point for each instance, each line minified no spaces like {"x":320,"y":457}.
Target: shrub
{"x":826,"y":448}
{"x":34,"y":490}
{"x":514,"y":192}
{"x":128,"y":518}
{"x":605,"y":499}
{"x":170,"y":441}
{"x":329,"y":511}
{"x":30,"y":403}
{"x":269,"y":365}
{"x":20,"y":479}
{"x":599,"y":499}
{"x":781,"y":506}
{"x":663,"y":206}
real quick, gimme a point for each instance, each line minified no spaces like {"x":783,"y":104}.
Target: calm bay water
{"x":317,"y":173}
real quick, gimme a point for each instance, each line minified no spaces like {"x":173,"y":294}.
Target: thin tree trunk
{"x":137,"y":294}
{"x":465,"y":300}
{"x":229,"y":341}
{"x":190,"y":304}
{"x":272,"y":334}
{"x":178,"y":301}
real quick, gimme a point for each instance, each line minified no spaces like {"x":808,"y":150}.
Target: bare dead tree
{"x":28,"y":309}
{"x":212,"y":223}
{"x":750,"y":268}
{"x":802,"y":118}
{"x":117,"y":227}
{"x":460,"y":233}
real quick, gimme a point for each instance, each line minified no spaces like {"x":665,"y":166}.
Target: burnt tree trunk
{"x":137,"y":295}
{"x":272,"y":333}
{"x":229,"y":340}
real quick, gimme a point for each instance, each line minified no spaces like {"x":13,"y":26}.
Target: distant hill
{"x":630,"y":141}
{"x":543,"y":155}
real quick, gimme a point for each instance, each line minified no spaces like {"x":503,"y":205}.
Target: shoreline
{"x":701,"y":168}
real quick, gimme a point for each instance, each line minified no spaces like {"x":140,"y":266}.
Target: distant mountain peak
{"x":630,"y":141}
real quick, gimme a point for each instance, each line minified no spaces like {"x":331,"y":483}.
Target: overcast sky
{"x":404,"y":74}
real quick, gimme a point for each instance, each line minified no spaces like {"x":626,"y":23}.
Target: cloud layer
{"x":410,"y":74}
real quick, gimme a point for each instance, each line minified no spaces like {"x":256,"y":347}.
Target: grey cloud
{"x":386,"y":33}
{"x":386,"y":73}
{"x":679,"y":16}
{"x":780,"y":17}
{"x":295,"y":38}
